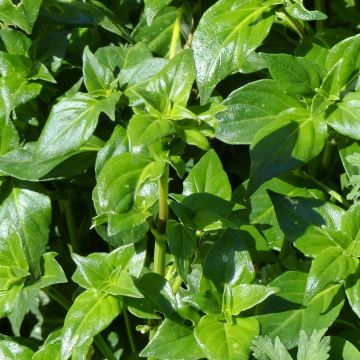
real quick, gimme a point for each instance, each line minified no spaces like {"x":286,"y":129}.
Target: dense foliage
{"x":179,"y":179}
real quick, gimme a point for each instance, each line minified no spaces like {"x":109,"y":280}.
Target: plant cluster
{"x":179,"y":179}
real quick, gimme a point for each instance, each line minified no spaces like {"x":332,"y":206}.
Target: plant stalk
{"x":129,"y":331}
{"x":327,"y":189}
{"x":160,"y":240}
{"x":294,"y":24}
{"x":320,"y":5}
{"x":71,"y":225}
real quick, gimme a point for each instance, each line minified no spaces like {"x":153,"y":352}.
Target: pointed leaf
{"x":91,"y":312}
{"x":227,"y":34}
{"x":174,"y":341}
{"x":221,"y":341}
{"x":208,"y":176}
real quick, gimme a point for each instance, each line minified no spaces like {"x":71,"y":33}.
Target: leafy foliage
{"x":179,"y":179}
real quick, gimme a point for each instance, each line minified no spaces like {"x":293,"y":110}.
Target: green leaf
{"x":245,"y":296}
{"x":11,"y":350}
{"x":344,"y":115}
{"x":117,"y":144}
{"x":314,"y":347}
{"x":91,"y":312}
{"x":168,"y":31}
{"x":295,"y":75}
{"x":283,"y":315}
{"x":159,"y":293}
{"x":208,"y":176}
{"x":53,"y":273}
{"x":138,"y":64}
{"x":71,"y":123}
{"x":171,"y":85}
{"x":110,"y":273}
{"x":78,"y":13}
{"x":350,"y":222}
{"x":221,"y":341}
{"x":299,"y":137}
{"x":14,"y":42}
{"x":343,"y":349}
{"x":173,"y":341}
{"x":308,"y":223}
{"x":297,"y":10}
{"x":152,"y":7}
{"x":9,"y":137}
{"x":207,"y":212}
{"x":96,"y":75}
{"x":182,"y":242}
{"x":352,"y":289}
{"x":264,"y":349}
{"x":218,"y":53}
{"x":50,"y":348}
{"x":262,"y":209}
{"x":23,"y":14}
{"x":250,"y":108}
{"x":127,"y":181}
{"x":228,"y":261}
{"x":144,"y":130}
{"x":25,"y":213}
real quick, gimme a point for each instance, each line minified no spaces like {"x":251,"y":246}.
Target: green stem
{"x":160,"y":241}
{"x":294,"y":24}
{"x":101,"y":344}
{"x":320,"y":5}
{"x":175,"y":35}
{"x":327,"y":189}
{"x":71,"y":225}
{"x":177,"y":284}
{"x":129,"y":331}
{"x":58,"y":297}
{"x":104,"y":348}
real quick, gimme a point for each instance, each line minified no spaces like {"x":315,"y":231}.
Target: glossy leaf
{"x":182,"y":242}
{"x":306,"y":221}
{"x":228,"y":261}
{"x":91,"y":312}
{"x":11,"y":350}
{"x":70,"y":125}
{"x":170,"y":341}
{"x":330,"y":266}
{"x":295,"y":75}
{"x":208,"y":176}
{"x":226,"y":341}
{"x":96,"y":75}
{"x":300,"y":139}
{"x":25,"y":214}
{"x":343,"y":117}
{"x":152,"y":7}
{"x":250,"y":108}
{"x":288,"y":316}
{"x":245,"y":296}
{"x":171,"y":85}
{"x":23,"y":14}
{"x":243,"y":24}
{"x":297,"y":10}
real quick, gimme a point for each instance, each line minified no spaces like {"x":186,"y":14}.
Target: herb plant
{"x":179,"y":179}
